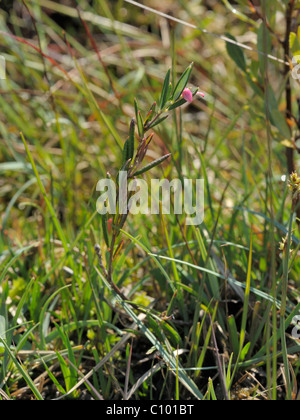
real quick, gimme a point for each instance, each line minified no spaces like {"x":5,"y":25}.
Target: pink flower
{"x":188,"y":96}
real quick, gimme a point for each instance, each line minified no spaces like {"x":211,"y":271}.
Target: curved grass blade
{"x":14,"y":259}
{"x":230,"y":279}
{"x":57,"y":225}
{"x":43,"y":312}
{"x":22,"y":371}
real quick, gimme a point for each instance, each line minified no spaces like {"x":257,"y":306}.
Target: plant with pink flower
{"x":187,"y":95}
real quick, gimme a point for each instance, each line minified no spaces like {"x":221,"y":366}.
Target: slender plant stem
{"x":286,"y":260}
{"x":288,"y":89}
{"x":272,"y":382}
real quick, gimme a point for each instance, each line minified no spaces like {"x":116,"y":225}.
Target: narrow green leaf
{"x":125,"y":152}
{"x":182,"y":82}
{"x":276,"y":117}
{"x":211,"y":390}
{"x":104,"y":222}
{"x":150,"y":113}
{"x":279,"y":121}
{"x":264,"y":43}
{"x":181,"y":101}
{"x":140,"y":124}
{"x":228,"y":376}
{"x":170,"y":89}
{"x":53,"y":378}
{"x":155,"y":328}
{"x":172,"y":334}
{"x":236,"y":53}
{"x":233,"y":335}
{"x":244,"y":351}
{"x":131,"y":140}
{"x":152,"y":164}
{"x":292,"y":39}
{"x":65,"y":370}
{"x":71,"y":374}
{"x":165,"y":91}
{"x":160,"y":120}
{"x":136,"y":108}
{"x":294,"y":43}
{"x":176,"y":104}
{"x":2,"y":332}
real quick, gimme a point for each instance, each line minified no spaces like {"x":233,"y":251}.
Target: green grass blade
{"x":247,"y":296}
{"x":57,"y":225}
{"x":22,"y":371}
{"x":14,"y":259}
{"x":43,"y":313}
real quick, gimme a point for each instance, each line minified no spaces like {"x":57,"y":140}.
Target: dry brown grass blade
{"x":4,"y":395}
